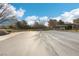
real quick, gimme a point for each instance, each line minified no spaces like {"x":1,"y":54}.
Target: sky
{"x":45,"y":11}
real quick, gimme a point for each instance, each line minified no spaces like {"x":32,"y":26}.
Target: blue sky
{"x":45,"y":9}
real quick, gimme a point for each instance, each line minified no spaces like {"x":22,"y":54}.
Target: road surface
{"x":41,"y":43}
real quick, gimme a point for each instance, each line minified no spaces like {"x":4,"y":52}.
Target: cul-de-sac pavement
{"x":40,"y":43}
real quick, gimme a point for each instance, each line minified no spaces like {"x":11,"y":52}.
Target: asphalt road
{"x":41,"y":43}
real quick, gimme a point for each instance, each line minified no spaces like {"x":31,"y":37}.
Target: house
{"x":65,"y":27}
{"x":76,"y":23}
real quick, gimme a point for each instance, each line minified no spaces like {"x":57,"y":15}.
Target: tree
{"x":22,"y":24}
{"x":60,"y":22}
{"x":2,"y":13}
{"x":68,"y":27}
{"x":12,"y":26}
{"x":52,"y":23}
{"x":38,"y":25}
{"x":6,"y":11}
{"x":35,"y":25}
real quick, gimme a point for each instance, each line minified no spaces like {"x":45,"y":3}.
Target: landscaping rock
{"x":3,"y":32}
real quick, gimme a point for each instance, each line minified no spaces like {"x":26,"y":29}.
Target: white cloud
{"x":44,"y":20}
{"x":69,"y":16}
{"x":46,"y":24}
{"x":20,"y":12}
{"x":31,"y":19}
